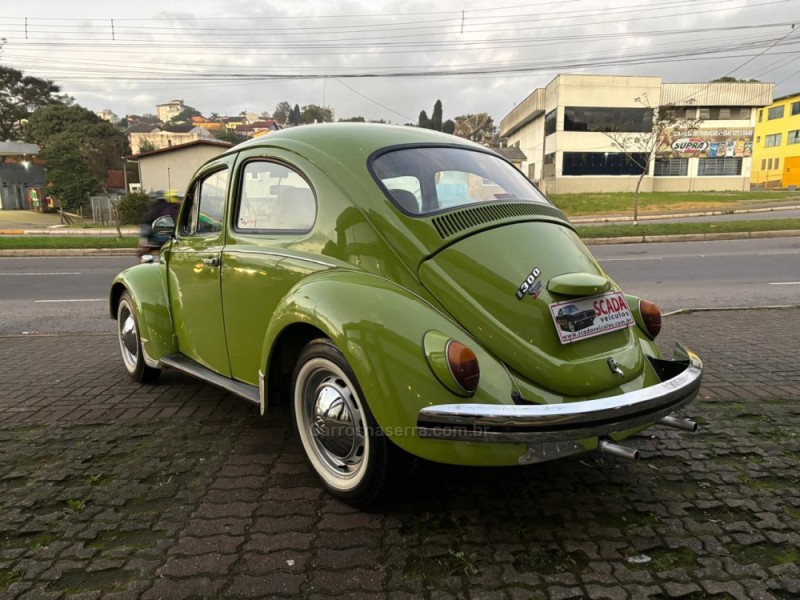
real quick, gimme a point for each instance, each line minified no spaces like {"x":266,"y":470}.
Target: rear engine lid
{"x":517,"y":288}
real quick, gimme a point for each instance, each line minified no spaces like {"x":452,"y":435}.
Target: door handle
{"x":211,"y":262}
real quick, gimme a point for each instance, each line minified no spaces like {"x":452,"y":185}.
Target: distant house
{"x":145,"y":138}
{"x":172,"y":168}
{"x":21,"y":179}
{"x":212,"y":126}
{"x":513,"y":155}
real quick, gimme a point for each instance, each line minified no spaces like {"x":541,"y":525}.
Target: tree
{"x":424,"y":121}
{"x":230,"y":136}
{"x":74,"y":135}
{"x":294,"y":115}
{"x":315,"y":114}
{"x":729,"y":79}
{"x":449,"y":126}
{"x":146,"y":146}
{"x":185,"y":116}
{"x":436,"y":117}
{"x":20,"y":96}
{"x":69,"y":178}
{"x":478,"y":127}
{"x":353,"y":120}
{"x":281,"y":112}
{"x":640,"y":147}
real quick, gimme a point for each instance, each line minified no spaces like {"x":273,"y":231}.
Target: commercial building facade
{"x":776,"y":152}
{"x":594,"y":133}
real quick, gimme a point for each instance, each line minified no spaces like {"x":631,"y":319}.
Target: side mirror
{"x":164,"y":226}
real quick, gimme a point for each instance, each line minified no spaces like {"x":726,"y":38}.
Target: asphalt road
{"x":68,"y":295}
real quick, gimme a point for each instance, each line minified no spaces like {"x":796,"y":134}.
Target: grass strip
{"x":629,"y":230}
{"x":60,"y":242}
{"x":659,"y":202}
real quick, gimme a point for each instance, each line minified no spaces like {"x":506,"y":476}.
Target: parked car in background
{"x":400,"y":289}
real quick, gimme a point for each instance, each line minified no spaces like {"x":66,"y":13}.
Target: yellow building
{"x":776,"y":152}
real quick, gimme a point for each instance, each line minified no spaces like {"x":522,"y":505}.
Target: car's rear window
{"x":426,"y":180}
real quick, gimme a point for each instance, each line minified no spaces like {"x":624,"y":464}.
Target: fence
{"x":103,"y":209}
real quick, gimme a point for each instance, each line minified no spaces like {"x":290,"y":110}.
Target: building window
{"x":760,"y":115}
{"x":776,"y":112}
{"x":769,"y":164}
{"x":532,"y":171}
{"x":549,"y":168}
{"x":604,"y":163}
{"x":796,"y":108}
{"x":794,"y":137}
{"x":711,"y":167}
{"x":763,"y":164}
{"x":671,"y":167}
{"x":772,"y":140}
{"x":595,"y":118}
{"x":777,"y":163}
{"x":676,"y":113}
{"x":725,"y":113}
{"x":550,"y":122}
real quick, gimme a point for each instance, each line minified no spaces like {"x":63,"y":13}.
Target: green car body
{"x":308,"y":255}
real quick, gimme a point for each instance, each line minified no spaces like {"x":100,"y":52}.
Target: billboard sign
{"x":705,"y":143}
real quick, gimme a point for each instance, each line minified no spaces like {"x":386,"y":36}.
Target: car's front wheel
{"x":130,"y":343}
{"x":341,"y":439}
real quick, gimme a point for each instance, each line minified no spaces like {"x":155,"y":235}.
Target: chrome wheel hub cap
{"x":336,"y":423}
{"x":128,"y":339}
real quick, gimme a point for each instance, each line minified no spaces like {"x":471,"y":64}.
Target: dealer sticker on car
{"x":587,"y":317}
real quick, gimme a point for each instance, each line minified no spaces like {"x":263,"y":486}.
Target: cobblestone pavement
{"x":114,"y":490}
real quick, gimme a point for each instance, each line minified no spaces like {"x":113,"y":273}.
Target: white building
{"x":166,"y":112}
{"x":107,"y":115}
{"x":578,"y":133}
{"x":172,"y":168}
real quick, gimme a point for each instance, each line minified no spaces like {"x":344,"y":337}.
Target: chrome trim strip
{"x":233,"y":250}
{"x":508,"y":423}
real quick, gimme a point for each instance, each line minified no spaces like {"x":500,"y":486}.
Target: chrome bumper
{"x":570,"y":421}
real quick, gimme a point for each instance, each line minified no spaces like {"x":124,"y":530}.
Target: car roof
{"x":363,"y":139}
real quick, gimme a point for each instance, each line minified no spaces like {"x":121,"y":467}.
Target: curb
{"x":658,"y":217}
{"x":55,"y":252}
{"x":691,"y":237}
{"x":638,"y":239}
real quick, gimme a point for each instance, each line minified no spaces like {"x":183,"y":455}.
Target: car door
{"x":194,"y":267}
{"x":271,"y":246}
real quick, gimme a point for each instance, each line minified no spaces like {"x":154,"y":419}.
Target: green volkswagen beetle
{"x":403,"y":291}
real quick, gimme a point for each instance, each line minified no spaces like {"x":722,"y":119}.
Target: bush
{"x":133,"y":208}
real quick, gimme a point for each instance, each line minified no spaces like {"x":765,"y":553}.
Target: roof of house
{"x":179,"y":147}
{"x":177,"y":128}
{"x":513,"y":153}
{"x":140,"y":129}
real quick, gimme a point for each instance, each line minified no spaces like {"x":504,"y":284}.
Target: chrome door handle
{"x":211,"y":262}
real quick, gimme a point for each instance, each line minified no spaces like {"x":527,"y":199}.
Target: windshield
{"x":425,"y":180}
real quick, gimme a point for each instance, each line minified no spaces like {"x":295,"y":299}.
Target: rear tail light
{"x":651,"y":317}
{"x":463,"y":366}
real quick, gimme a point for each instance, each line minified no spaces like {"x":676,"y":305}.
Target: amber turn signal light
{"x":463,"y":366}
{"x":651,"y":317}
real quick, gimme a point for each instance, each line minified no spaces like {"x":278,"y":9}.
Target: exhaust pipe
{"x":682,"y":424}
{"x":605,"y":447}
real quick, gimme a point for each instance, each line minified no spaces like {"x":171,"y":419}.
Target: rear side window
{"x":274,"y":197}
{"x":425,"y":180}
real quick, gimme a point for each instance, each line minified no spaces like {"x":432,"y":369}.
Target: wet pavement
{"x":114,"y":490}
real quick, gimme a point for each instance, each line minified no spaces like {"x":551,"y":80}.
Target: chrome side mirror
{"x":164,"y":226}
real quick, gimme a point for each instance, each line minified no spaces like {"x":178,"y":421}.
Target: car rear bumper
{"x":570,"y":421}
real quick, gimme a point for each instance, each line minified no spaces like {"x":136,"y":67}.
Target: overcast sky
{"x":386,"y":60}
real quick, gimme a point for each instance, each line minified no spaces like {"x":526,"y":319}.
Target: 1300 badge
{"x":530,"y":285}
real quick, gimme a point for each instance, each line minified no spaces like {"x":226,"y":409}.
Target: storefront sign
{"x":705,"y":143}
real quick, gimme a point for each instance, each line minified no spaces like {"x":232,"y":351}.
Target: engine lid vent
{"x":452,"y":223}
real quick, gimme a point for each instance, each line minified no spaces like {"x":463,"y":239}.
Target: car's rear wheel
{"x":130,"y":343}
{"x":341,"y":439}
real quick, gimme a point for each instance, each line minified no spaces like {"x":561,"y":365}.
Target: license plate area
{"x":581,"y":318}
